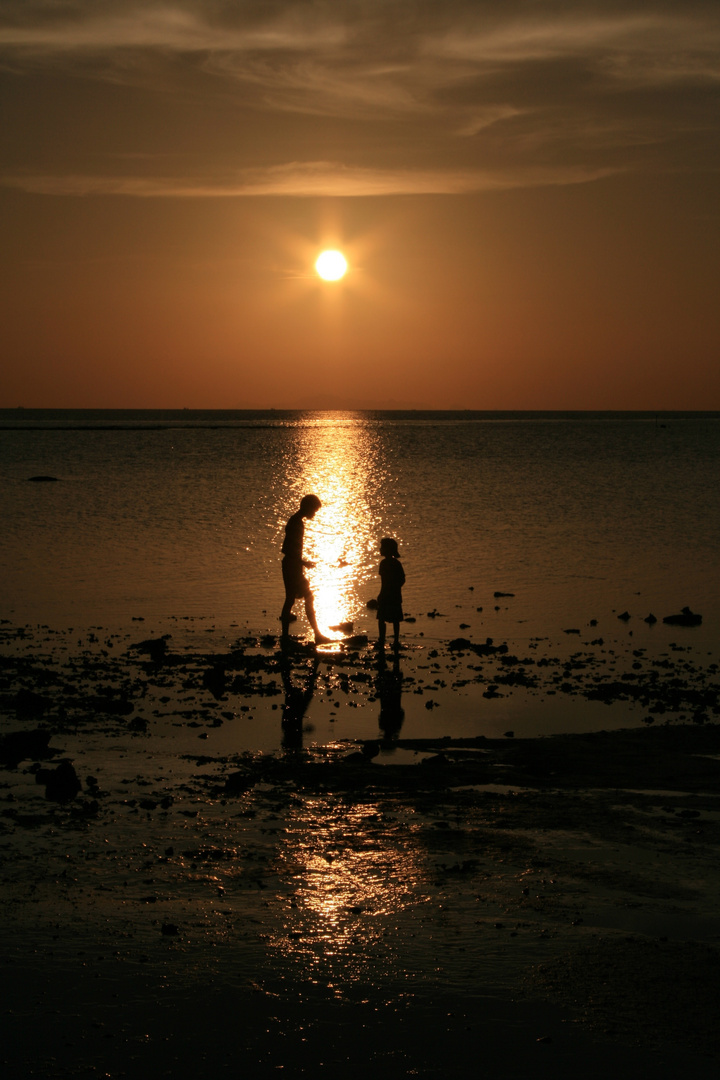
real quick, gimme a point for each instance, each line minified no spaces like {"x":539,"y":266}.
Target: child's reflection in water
{"x":388,"y":688}
{"x":298,"y":696}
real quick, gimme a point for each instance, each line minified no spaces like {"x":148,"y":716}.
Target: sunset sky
{"x":527,"y":194}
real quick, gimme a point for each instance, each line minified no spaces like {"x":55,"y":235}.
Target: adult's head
{"x":309,"y":505}
{"x":388,"y":546}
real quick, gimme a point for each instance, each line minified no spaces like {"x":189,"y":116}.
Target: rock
{"x":238,"y":782}
{"x":61,"y":784}
{"x":170,"y":929}
{"x":357,"y":641}
{"x":625,"y":616}
{"x":215,"y":680}
{"x":488,"y":649}
{"x":42,"y":479}
{"x":650,"y":619}
{"x":28,"y":703}
{"x":685,"y":618}
{"x":155,"y":648}
{"x":499,"y":594}
{"x":343,"y":628}
{"x":16,"y":746}
{"x":372,"y":605}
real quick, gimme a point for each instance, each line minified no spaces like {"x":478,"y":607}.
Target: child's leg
{"x":396,"y":631}
{"x":381,"y":632}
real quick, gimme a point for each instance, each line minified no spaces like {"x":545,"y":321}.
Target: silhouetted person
{"x":293,"y":565}
{"x":297,"y":700}
{"x":388,"y":688}
{"x":392,"y":579}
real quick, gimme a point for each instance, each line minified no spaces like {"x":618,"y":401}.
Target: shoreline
{"x":331,"y":905}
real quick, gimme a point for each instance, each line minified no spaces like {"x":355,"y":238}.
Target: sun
{"x":331,"y":265}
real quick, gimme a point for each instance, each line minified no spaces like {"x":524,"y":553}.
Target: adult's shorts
{"x":296,"y":584}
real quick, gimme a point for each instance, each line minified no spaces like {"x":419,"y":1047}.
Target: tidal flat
{"x":222,"y":858}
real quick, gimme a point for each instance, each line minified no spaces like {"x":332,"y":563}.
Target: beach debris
{"x":685,"y":618}
{"x":28,"y":703}
{"x":498,"y":594}
{"x":61,"y":784}
{"x":215,"y":680}
{"x":155,"y":648}
{"x":238,"y":782}
{"x":435,"y":614}
{"x":487,"y":649}
{"x":17,"y":746}
{"x":571,"y":631}
{"x":357,"y":641}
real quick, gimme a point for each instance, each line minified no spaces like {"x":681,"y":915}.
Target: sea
{"x":515,"y":526}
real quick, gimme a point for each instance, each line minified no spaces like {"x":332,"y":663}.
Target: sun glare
{"x":331,"y":265}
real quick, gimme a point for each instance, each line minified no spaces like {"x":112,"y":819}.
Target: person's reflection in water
{"x":297,"y":699}
{"x":388,"y":687}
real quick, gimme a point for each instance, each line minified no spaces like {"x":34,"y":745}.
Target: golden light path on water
{"x":338,"y":462}
{"x":352,"y":873}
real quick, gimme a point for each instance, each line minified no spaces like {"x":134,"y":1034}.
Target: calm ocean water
{"x":177,"y":518}
{"x":162,"y":514}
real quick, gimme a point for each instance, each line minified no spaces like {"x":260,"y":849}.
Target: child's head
{"x":388,"y":546}
{"x":309,"y":505}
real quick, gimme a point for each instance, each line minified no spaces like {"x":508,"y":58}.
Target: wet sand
{"x":426,"y":906}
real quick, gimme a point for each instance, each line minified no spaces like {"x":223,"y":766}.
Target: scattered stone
{"x":28,"y":703}
{"x":42,"y":479}
{"x":650,"y":619}
{"x":155,"y":648}
{"x":215,"y":680}
{"x":625,"y":616}
{"x":61,"y":784}
{"x":497,"y":595}
{"x":16,"y":746}
{"x":343,"y":628}
{"x":685,"y":618}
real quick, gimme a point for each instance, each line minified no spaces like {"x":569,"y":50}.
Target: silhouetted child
{"x":392,"y":579}
{"x":293,"y":565}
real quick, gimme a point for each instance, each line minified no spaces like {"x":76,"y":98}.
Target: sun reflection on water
{"x":351,"y":874}
{"x":339,"y":461}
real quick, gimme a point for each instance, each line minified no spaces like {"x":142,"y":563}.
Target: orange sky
{"x":527,"y":195}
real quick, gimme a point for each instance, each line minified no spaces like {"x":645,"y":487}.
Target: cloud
{"x":311,"y":179}
{"x":480,"y":87}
